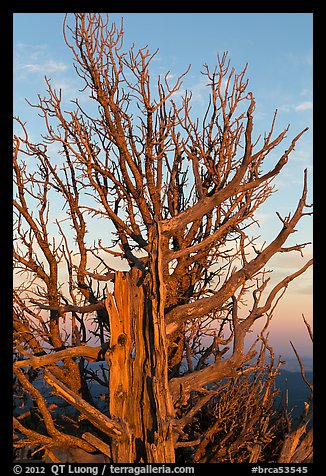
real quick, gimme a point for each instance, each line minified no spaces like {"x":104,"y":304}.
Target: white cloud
{"x":299,"y":59}
{"x":304,"y":106}
{"x":35,"y":60}
{"x":50,"y":66}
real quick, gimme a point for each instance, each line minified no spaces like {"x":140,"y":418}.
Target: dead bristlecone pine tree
{"x":165,"y":295}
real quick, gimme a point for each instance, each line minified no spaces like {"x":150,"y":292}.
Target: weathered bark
{"x":304,"y":452}
{"x":139,"y":397}
{"x":298,"y":445}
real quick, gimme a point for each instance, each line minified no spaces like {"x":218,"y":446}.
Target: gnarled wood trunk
{"x":138,"y":383}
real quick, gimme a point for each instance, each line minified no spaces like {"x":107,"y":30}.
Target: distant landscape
{"x":289,"y":379}
{"x":292,"y":365}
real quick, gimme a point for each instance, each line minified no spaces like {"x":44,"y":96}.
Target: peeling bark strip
{"x":139,"y":397}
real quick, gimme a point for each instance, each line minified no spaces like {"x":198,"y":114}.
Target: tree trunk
{"x":139,"y":397}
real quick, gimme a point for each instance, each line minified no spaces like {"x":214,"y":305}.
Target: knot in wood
{"x":120,"y":393}
{"x":122,"y":339}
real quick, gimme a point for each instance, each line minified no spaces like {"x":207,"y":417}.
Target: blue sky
{"x":278,"y":49}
